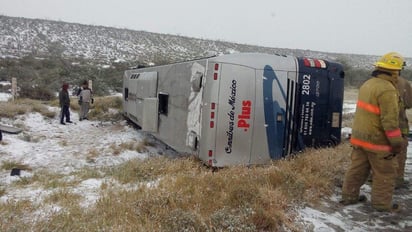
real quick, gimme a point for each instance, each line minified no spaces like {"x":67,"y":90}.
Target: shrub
{"x":37,"y":92}
{"x":10,"y":109}
{"x":182,"y":220}
{"x":8,"y":165}
{"x":226,"y":219}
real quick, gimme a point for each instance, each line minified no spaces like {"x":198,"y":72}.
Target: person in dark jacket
{"x":64,"y":101}
{"x":376,"y":136}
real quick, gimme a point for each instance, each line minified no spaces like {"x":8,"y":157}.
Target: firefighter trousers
{"x":383,"y":167}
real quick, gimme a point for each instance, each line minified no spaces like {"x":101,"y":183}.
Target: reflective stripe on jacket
{"x":376,"y":122}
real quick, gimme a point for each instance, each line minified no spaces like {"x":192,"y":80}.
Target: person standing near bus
{"x":64,"y":101}
{"x":85,"y":98}
{"x":405,"y":95}
{"x":376,"y":137}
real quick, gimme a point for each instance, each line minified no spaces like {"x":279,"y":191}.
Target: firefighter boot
{"x":401,"y":184}
{"x":353,"y":200}
{"x":393,"y":209}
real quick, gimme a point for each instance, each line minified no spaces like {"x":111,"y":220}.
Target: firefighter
{"x":376,"y":137}
{"x":405,"y":94}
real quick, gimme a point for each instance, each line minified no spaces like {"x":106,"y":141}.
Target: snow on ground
{"x":62,"y":148}
{"x":46,"y":145}
{"x":348,"y":107}
{"x":5,"y":96}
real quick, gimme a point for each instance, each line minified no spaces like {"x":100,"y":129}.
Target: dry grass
{"x":190,"y":197}
{"x":8,"y":165}
{"x":92,"y":155}
{"x":116,"y":149}
{"x":139,"y":146}
{"x":184,"y":195}
{"x":101,"y":109}
{"x":88,"y":173}
{"x":63,"y":198}
{"x":14,"y":215}
{"x":22,"y":106}
{"x":49,"y":180}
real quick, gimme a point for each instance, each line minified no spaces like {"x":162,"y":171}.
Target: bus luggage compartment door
{"x":236,"y":115}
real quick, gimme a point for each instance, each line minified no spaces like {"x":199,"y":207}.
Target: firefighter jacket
{"x":376,"y":123}
{"x":405,"y":96}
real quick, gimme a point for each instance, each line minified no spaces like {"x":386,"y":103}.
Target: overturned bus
{"x":238,"y":109}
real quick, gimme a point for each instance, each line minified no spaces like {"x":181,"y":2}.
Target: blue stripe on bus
{"x":274,"y":129}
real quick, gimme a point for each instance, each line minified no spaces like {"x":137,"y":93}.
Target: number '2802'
{"x":306,"y":84}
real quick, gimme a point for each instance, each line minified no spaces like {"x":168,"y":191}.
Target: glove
{"x":396,"y":144}
{"x":80,"y":102}
{"x":92,"y":100}
{"x":396,"y":148}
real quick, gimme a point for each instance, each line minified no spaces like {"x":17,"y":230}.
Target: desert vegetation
{"x":42,"y":78}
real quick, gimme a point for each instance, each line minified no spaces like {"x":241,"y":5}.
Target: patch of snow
{"x":346,"y":132}
{"x":5,"y":96}
{"x":348,"y":107}
{"x":5,"y":83}
{"x":46,"y":145}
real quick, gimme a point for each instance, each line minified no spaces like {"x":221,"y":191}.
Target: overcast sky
{"x":371,"y":27}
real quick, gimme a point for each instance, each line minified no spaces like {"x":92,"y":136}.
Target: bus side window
{"x":126,"y":94}
{"x":163,"y":103}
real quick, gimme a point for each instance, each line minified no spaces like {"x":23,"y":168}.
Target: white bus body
{"x":238,"y":109}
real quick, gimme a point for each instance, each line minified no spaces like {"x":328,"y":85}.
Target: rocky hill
{"x":21,"y":37}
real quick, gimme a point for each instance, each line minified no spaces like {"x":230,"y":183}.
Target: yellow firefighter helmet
{"x":391,"y":61}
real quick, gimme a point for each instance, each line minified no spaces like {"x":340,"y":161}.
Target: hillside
{"x":21,"y":37}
